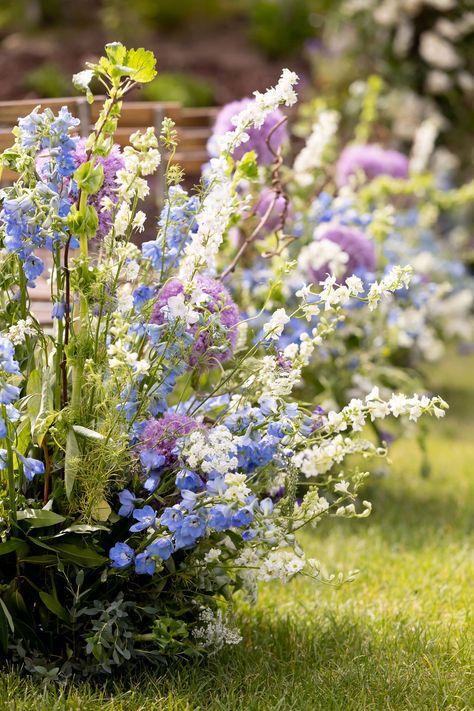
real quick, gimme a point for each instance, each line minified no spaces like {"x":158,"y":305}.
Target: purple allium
{"x":219,"y":302}
{"x":160,"y":436}
{"x":111,"y":164}
{"x":372,"y":160}
{"x":359,"y":249}
{"x":277,"y":213}
{"x":257,"y":136}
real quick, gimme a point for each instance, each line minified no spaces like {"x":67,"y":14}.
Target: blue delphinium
{"x":121,"y":555}
{"x":128,"y":501}
{"x":31,"y":467}
{"x":34,"y":217}
{"x":161,"y":547}
{"x":176,"y":223}
{"x":145,"y":518}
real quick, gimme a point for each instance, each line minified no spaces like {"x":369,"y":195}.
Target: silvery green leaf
{"x":86,"y":432}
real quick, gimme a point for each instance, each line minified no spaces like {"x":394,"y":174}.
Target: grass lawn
{"x":400,"y":637}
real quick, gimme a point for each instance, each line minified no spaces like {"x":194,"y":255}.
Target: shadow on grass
{"x":412,"y":517}
{"x":294,"y":663}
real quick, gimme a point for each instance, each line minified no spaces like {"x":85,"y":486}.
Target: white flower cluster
{"x":280,"y":565}
{"x":274,"y":328}
{"x":321,"y":458}
{"x":219,"y":203}
{"x":141,"y":158}
{"x":331,"y":295}
{"x":20,"y":330}
{"x":398,"y":278}
{"x":256,"y":112}
{"x":212,"y":219}
{"x":354,"y":415}
{"x":213,"y":451}
{"x":320,"y":253}
{"x":214,"y":632}
{"x":311,"y":157}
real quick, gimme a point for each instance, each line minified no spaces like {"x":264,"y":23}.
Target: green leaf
{"x":86,"y":432}
{"x":116,"y":52}
{"x":71,"y":462}
{"x":89,"y":177}
{"x":40,"y":517}
{"x":82,"y":556}
{"x":81,"y":529}
{"x":13,"y":544}
{"x":40,"y":559}
{"x":8,"y":617}
{"x":33,"y":388}
{"x":83,"y":223}
{"x":3,"y":632}
{"x":81,"y":82}
{"x":54,"y":606}
{"x":142,"y":65}
{"x":46,"y":414}
{"x":101,"y":511}
{"x":247,"y":167}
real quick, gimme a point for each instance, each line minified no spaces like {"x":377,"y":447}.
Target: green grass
{"x":400,"y":637}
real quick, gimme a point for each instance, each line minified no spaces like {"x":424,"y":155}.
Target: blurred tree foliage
{"x":183,"y":88}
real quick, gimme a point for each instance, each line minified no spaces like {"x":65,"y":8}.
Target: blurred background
{"x":212,"y":51}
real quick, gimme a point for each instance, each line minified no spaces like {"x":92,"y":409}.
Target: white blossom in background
{"x":423,"y":144}
{"x":311,"y":157}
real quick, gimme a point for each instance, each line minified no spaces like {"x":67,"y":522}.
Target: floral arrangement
{"x":152,"y":441}
{"x":355,"y":211}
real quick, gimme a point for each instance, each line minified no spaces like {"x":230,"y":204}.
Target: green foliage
{"x":48,"y":81}
{"x":89,"y":177}
{"x":280,"y":27}
{"x":183,"y":88}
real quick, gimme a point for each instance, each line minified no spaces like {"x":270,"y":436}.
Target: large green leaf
{"x":40,"y":559}
{"x":54,"y":606}
{"x":46,"y":413}
{"x":13,"y":544}
{"x":84,"y":557}
{"x":86,"y":432}
{"x":33,"y":390}
{"x":3,"y":632}
{"x":8,"y":617}
{"x":71,"y":462}
{"x":40,"y":517}
{"x":142,"y":64}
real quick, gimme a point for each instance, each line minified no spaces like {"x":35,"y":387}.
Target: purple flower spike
{"x":372,"y":160}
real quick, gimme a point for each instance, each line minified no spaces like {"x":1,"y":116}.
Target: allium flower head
{"x":372,"y":160}
{"x":160,"y":436}
{"x":215,"y":338}
{"x":257,"y":136}
{"x":277,"y":212}
{"x":357,"y":250}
